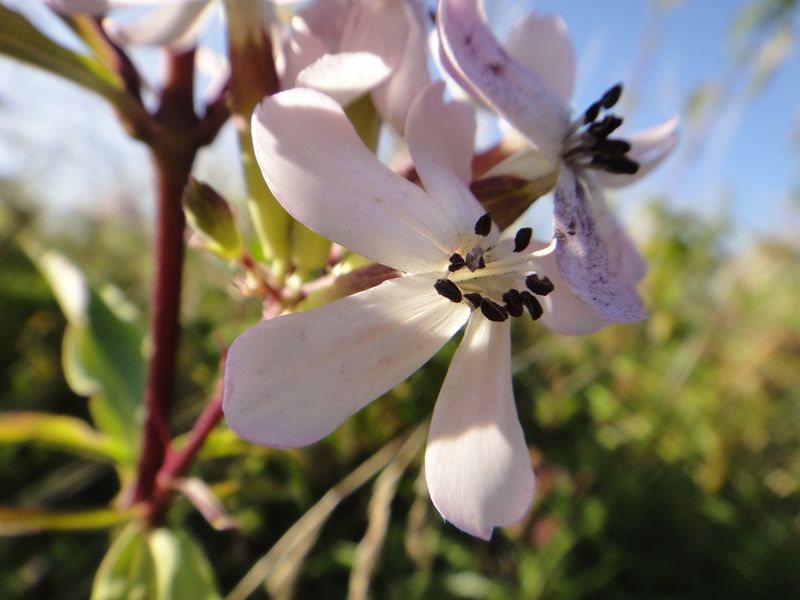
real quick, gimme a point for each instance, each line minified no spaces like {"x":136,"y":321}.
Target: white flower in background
{"x":174,"y":24}
{"x":529,"y":83}
{"x":349,"y":48}
{"x":292,"y":380}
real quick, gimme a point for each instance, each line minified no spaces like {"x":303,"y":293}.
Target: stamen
{"x":622,"y":165}
{"x":532,"y":304}
{"x":611,"y":97}
{"x":474,"y":259}
{"x":456,"y":262}
{"x":541,"y":287}
{"x":611,"y":148}
{"x":602,"y":129}
{"x":448,"y":289}
{"x":513,"y":300}
{"x":591,"y":113}
{"x":522,"y":239}
{"x":493,"y":311}
{"x":483,"y":225}
{"x":475,"y":298}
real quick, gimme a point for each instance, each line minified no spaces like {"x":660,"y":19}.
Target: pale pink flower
{"x":292,"y":380}
{"x":350,"y":48}
{"x":529,"y":83}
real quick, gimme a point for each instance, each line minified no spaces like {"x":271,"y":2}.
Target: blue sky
{"x":72,"y":150}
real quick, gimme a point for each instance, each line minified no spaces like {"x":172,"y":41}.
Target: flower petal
{"x":648,"y":148}
{"x":344,"y":76}
{"x":564,"y":313}
{"x":292,"y":380}
{"x":586,"y":257}
{"x":393,"y":98}
{"x":300,"y":49}
{"x":477,"y":463}
{"x":440,"y":139}
{"x":521,"y":97}
{"x":326,"y":178}
{"x":97,"y":7}
{"x":174,"y":24}
{"x":541,"y":43}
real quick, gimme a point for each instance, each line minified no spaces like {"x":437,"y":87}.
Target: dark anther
{"x":532,"y":304}
{"x":513,"y":300}
{"x":448,"y":289}
{"x":602,"y":129}
{"x":475,"y":298}
{"x":522,"y":239}
{"x":611,"y":97}
{"x":540,"y":287}
{"x":621,"y":165}
{"x":611,"y":148}
{"x":456,"y":262}
{"x":474,"y":259}
{"x":483,"y":225}
{"x":493,"y":311}
{"x":591,"y":113}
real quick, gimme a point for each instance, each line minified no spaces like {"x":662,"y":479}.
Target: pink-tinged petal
{"x":541,"y":43}
{"x":325,"y":177}
{"x":440,"y":139}
{"x":631,"y":264}
{"x":648,"y":148}
{"x":292,"y":380}
{"x":477,"y":463}
{"x":393,"y":98}
{"x":520,"y":96}
{"x":344,"y":76}
{"x":586,"y":258}
{"x":326,"y":19}
{"x":175,"y":25}
{"x":564,"y":313}
{"x":300,"y":49}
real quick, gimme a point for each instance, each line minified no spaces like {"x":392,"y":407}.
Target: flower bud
{"x":209,"y":214}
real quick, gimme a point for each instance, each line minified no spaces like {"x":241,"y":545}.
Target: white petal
{"x":325,"y":177}
{"x":648,"y":148}
{"x":586,"y":257}
{"x":345,"y":76}
{"x":292,"y":380}
{"x":174,"y":25}
{"x":542,"y":44}
{"x":393,"y":98}
{"x":300,"y":49}
{"x":519,"y":95}
{"x":97,"y":7}
{"x":440,"y":139}
{"x":477,"y":463}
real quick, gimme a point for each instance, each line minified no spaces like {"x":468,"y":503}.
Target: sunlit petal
{"x":172,"y":24}
{"x":344,"y":76}
{"x":292,"y":380}
{"x":520,"y":96}
{"x":325,"y":177}
{"x":541,"y":43}
{"x":477,"y":463}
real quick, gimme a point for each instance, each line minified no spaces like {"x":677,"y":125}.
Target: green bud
{"x":209,"y":214}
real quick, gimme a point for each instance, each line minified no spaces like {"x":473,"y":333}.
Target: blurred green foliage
{"x":667,"y":453}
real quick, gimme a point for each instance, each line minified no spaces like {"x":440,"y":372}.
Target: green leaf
{"x":182,"y":570}
{"x":128,"y":571}
{"x":102,"y":352}
{"x":61,"y":432}
{"x":21,"y":40}
{"x":25,"y":521}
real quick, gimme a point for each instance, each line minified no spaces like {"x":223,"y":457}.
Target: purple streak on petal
{"x":585,"y":254}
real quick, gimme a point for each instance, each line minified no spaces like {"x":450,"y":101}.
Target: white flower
{"x":529,"y":84}
{"x":292,"y":380}
{"x":348,"y":49}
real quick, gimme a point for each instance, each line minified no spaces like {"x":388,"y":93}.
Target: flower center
{"x":498,"y":279}
{"x":588,"y":144}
